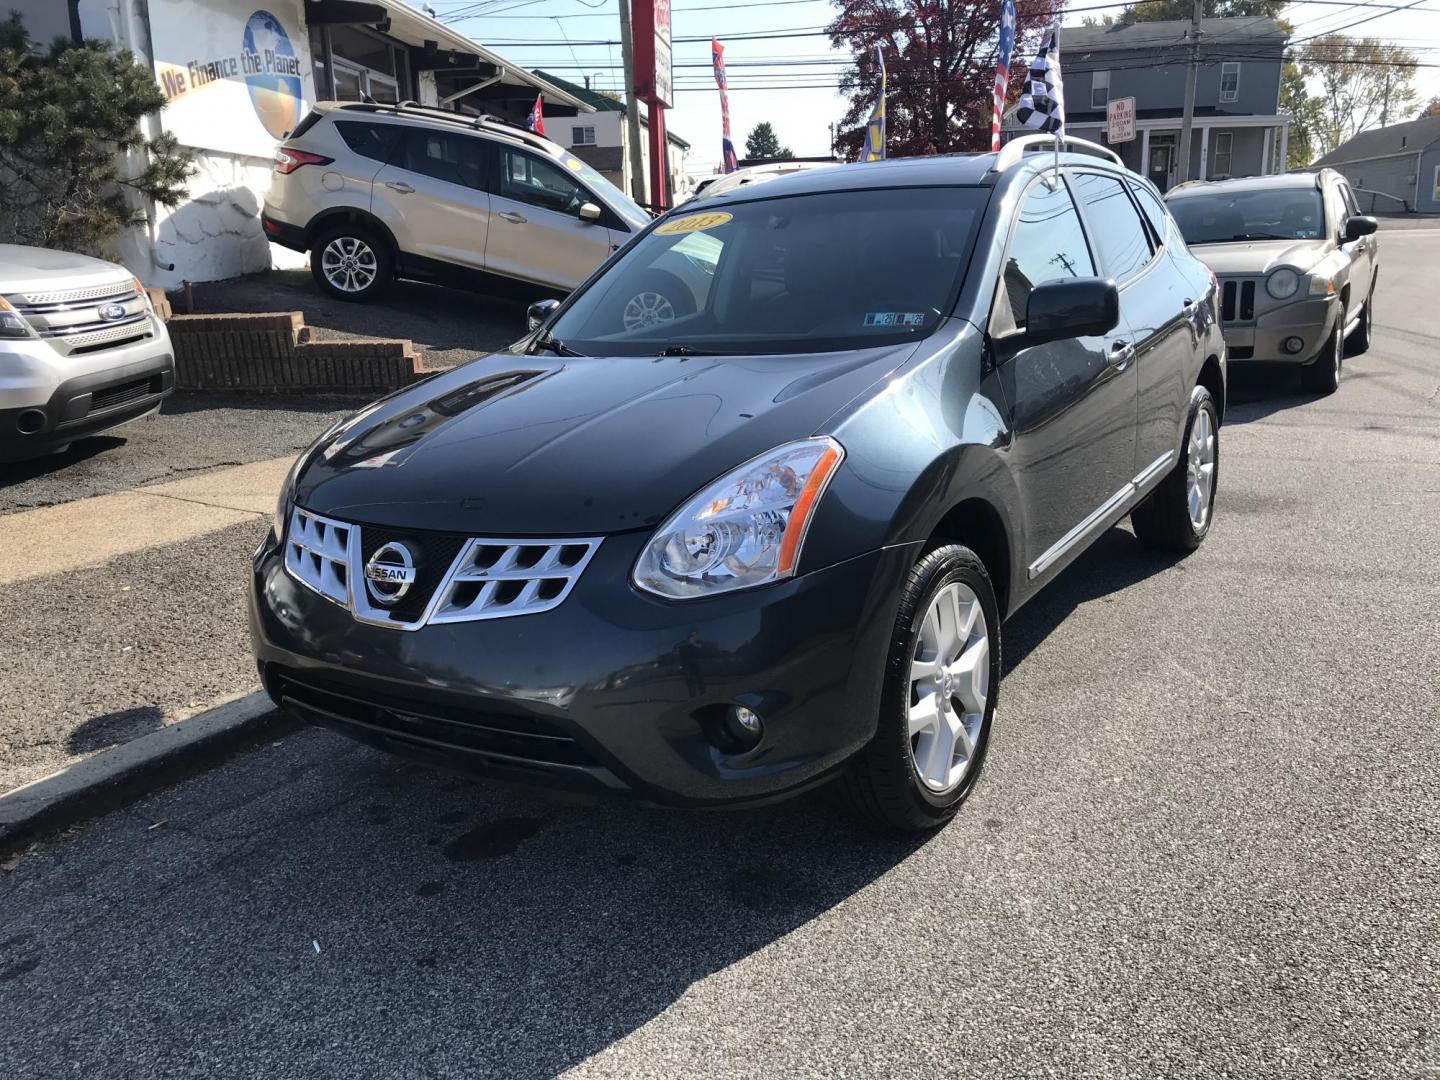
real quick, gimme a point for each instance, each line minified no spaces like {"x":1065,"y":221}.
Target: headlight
{"x":745,"y":529}
{"x":12,"y":323}
{"x":287,"y":496}
{"x":1321,"y":286}
{"x":144,"y":296}
{"x":1282,"y":283}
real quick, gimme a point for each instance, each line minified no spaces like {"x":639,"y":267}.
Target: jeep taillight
{"x":287,"y":160}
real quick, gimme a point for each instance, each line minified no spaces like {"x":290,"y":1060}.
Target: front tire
{"x":942,"y":679}
{"x":349,"y":262}
{"x":1176,"y":516}
{"x":1322,"y":375}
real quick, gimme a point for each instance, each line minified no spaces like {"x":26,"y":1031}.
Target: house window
{"x":582,"y":136}
{"x":1224,"y":144}
{"x":1230,"y":81}
{"x":1099,"y":89}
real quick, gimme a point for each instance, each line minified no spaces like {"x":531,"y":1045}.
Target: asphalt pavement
{"x":1205,"y":844}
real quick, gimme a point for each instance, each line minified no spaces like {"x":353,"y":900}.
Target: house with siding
{"x":1238,"y":129}
{"x":1393,"y":168}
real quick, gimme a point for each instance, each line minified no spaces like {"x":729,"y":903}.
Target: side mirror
{"x":1358,"y":225}
{"x":540,"y":311}
{"x":1071,"y":307}
{"x":589,"y":212}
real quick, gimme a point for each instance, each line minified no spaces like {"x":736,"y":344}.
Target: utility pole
{"x":632,"y":108}
{"x":1188,"y":120}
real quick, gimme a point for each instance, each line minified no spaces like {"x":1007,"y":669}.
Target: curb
{"x":120,"y":775}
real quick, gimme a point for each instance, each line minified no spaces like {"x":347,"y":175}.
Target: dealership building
{"x":240,"y":74}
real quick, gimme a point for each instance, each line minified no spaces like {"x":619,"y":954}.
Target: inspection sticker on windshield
{"x":894,"y":318}
{"x":694,"y":223}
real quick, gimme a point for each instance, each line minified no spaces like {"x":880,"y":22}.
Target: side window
{"x":375,"y":141}
{"x":1099,"y":89}
{"x":1124,"y":245}
{"x":529,"y":179}
{"x":1348,"y":196}
{"x":1153,"y":210}
{"x":1047,"y":243}
{"x":456,"y":159}
{"x":1230,"y":81}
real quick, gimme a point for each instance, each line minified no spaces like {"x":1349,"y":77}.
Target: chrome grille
{"x":127,"y":331}
{"x":317,"y":554}
{"x":490,"y":578}
{"x":70,"y":296}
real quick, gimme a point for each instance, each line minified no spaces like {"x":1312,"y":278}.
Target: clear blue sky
{"x":550,"y":34}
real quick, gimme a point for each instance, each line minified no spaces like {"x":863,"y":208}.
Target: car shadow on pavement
{"x":114,"y":728}
{"x":16,"y":472}
{"x":1260,"y":390}
{"x":1115,"y":561}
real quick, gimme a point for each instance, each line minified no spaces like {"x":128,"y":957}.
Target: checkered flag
{"x":1042,"y":102}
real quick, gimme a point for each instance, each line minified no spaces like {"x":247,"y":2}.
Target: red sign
{"x":651,"y":30}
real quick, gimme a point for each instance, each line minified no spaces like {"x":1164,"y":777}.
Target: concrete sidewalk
{"x":90,"y":532}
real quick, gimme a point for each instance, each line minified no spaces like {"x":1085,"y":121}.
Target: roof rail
{"x":1011,"y":153}
{"x":430,"y":112}
{"x":1188,"y":183}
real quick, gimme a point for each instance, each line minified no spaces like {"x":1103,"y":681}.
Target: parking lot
{"x":1205,"y":843}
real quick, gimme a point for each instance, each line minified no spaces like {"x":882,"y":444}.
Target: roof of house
{"x":1380,"y":142}
{"x":1161,"y":35}
{"x":601,"y":102}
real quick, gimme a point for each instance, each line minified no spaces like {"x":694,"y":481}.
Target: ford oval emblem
{"x":111,"y":312}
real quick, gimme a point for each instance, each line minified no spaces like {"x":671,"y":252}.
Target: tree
{"x":940,"y":64}
{"x":763,"y":143}
{"x":1167,"y":10}
{"x":1364,"y":83}
{"x":1433,"y":109}
{"x":1304,"y":113}
{"x":69,"y":118}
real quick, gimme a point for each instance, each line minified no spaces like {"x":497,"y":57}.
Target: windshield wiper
{"x":1258,"y":236}
{"x":686,"y":350}
{"x":550,"y":343}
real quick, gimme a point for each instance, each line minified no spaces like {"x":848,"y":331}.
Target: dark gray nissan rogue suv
{"x":748,"y":510}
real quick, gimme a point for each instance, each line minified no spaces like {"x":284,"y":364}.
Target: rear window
{"x":311,"y":119}
{"x":806,"y":273}
{"x":376,"y":141}
{"x":1220,"y":217}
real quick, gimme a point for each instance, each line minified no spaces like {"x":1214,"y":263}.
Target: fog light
{"x":1292,"y":345}
{"x":744,"y":726}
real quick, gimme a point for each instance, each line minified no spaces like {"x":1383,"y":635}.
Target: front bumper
{"x":1312,"y":321}
{"x":612,"y":691}
{"x":48,"y":399}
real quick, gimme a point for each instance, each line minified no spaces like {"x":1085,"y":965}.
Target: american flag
{"x":1002,"y":67}
{"x":729,"y":162}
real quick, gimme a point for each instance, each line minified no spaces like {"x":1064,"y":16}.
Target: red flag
{"x":536,"y":120}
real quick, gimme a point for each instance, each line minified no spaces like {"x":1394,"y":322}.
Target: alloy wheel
{"x":949,"y":688}
{"x":349,"y":264}
{"x":647,"y":309}
{"x":1200,"y":469}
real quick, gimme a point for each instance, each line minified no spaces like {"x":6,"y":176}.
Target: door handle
{"x":511,"y":216}
{"x":400,"y":186}
{"x":1120,"y":354}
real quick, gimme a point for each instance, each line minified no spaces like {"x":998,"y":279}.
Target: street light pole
{"x":1188,"y":120}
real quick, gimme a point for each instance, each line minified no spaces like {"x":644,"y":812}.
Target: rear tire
{"x":1176,"y":516}
{"x":925,"y":758}
{"x":351,"y":263}
{"x":1322,"y":375}
{"x":1359,"y":341}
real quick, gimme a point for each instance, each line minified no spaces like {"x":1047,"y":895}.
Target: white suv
{"x":81,"y":350}
{"x":375,"y":192}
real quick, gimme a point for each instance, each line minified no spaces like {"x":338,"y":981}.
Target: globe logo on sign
{"x":272,"y":73}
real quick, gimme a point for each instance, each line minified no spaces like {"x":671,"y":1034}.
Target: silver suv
{"x":375,"y":192}
{"x":81,"y":350}
{"x":1296,"y":262}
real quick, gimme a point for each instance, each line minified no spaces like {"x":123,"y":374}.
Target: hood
{"x":512,"y":445}
{"x":1261,"y":256}
{"x":34,"y":269}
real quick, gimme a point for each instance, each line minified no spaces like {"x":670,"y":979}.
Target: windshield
{"x":806,"y":273}
{"x":612,"y":194}
{"x":1278,"y":214}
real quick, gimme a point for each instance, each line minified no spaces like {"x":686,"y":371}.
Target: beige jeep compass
{"x":1296,"y":262}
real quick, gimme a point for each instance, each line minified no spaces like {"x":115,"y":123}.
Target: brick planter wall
{"x":271,"y":351}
